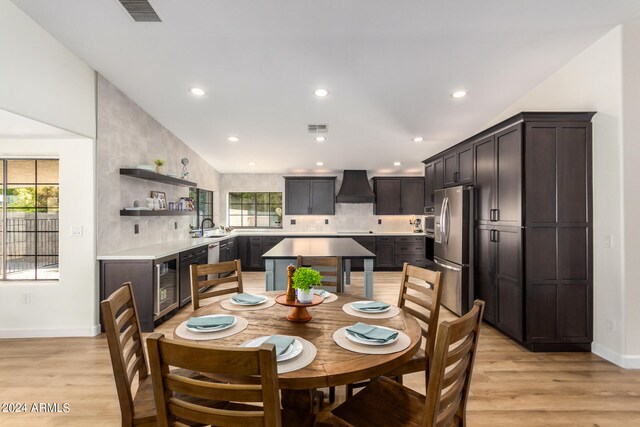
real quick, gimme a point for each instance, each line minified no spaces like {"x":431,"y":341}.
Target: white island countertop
{"x":161,"y":250}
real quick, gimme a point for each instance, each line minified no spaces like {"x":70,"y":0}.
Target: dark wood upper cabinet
{"x":310,"y":195}
{"x":388,"y":193}
{"x":458,"y":166}
{"x":499,"y":177}
{"x":450,"y":168}
{"x":399,"y":195}
{"x":433,"y":180}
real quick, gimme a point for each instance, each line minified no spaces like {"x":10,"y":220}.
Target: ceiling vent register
{"x":318,"y":128}
{"x":140,"y":10}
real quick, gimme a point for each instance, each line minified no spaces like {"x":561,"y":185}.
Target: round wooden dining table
{"x":333,"y":364}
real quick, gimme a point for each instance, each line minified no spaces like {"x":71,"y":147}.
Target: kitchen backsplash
{"x":348,"y":217}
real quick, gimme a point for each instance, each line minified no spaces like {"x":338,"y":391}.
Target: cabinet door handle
{"x":497,"y":215}
{"x":157,"y":289}
{"x":456,"y":176}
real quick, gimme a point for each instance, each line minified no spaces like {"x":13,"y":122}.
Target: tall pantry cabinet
{"x":533,"y":228}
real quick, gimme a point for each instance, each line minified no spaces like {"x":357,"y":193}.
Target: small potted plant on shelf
{"x":304,"y":280}
{"x":159,"y":164}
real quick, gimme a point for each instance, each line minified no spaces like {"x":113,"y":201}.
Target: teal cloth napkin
{"x":282,"y":343}
{"x":370,"y":306}
{"x":372,"y":333}
{"x":210,"y":322}
{"x":321,"y":292}
{"x":247,"y":298}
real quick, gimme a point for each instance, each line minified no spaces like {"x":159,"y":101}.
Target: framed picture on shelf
{"x":161,"y":198}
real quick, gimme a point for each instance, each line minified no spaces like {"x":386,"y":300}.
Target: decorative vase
{"x":159,"y":169}
{"x":305,"y":297}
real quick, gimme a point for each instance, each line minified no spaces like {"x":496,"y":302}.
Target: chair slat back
{"x":215,"y":286}
{"x":420,"y":294}
{"x":451,"y":369}
{"x":122,"y":327}
{"x":171,"y":389}
{"x":329,"y":267}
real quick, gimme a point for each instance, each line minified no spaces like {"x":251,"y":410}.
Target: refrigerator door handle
{"x":443,"y":220}
{"x":448,"y":223}
{"x":447,"y":266}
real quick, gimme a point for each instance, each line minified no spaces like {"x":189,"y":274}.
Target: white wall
{"x":631,"y":188}
{"x":593,"y":81}
{"x":40,"y":78}
{"x":67,"y":307}
{"x":348,"y":217}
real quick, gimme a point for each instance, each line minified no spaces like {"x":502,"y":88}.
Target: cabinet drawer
{"x":385,"y":239}
{"x":412,"y":239}
{"x":416,"y":260}
{"x":409,"y":248}
{"x":363,"y":240}
{"x":272,"y":239}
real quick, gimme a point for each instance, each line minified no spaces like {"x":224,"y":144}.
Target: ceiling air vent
{"x":317,"y":128}
{"x":140,"y":10}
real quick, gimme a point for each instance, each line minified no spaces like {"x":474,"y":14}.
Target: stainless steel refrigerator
{"x":453,"y":246}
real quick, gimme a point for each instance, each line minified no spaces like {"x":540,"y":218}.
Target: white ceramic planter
{"x":305,"y":297}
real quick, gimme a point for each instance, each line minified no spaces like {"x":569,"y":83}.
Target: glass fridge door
{"x":166,"y":289}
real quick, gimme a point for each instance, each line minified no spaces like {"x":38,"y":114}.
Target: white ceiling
{"x":390,"y":67}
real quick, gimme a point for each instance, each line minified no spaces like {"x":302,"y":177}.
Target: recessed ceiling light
{"x":320,"y":139}
{"x":319,"y":163}
{"x":321,"y":92}
{"x":197,"y":91}
{"x":459,"y":94}
{"x":397,"y":163}
{"x":252,"y":163}
{"x":418,"y":139}
{"x":233,"y":139}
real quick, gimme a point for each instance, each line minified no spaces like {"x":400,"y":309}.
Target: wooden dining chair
{"x":422,"y":303}
{"x":385,"y":402}
{"x":202,"y":288}
{"x":329,"y":267}
{"x":239,"y":362}
{"x":122,"y":328}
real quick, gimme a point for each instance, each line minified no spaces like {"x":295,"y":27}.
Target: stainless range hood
{"x":355,"y":188}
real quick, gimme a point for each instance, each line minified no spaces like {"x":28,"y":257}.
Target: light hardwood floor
{"x":510,"y":386}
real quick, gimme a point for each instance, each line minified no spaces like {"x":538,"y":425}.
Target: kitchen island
{"x":286,"y":252}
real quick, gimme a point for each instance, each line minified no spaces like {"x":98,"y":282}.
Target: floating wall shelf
{"x":125,"y":212}
{"x":156,"y":177}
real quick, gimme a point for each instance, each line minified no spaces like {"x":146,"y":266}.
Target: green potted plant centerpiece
{"x":304,"y":280}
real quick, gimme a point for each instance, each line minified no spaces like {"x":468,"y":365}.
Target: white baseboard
{"x":50,"y":333}
{"x":622,"y":360}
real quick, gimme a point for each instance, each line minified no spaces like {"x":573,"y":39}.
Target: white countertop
{"x":161,"y":250}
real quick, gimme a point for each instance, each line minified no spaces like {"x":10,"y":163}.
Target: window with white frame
{"x":29,"y":243}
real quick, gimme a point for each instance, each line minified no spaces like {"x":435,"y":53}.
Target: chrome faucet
{"x":202,"y":225}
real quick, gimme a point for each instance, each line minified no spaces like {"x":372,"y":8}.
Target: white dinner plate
{"x":359,"y":340}
{"x":294,"y":350}
{"x":264,"y":299}
{"x":215,"y":328}
{"x":369,"y":311}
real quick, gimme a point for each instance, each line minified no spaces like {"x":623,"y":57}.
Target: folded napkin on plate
{"x":321,"y":292}
{"x":247,"y":298}
{"x":282,"y":343}
{"x":210,"y":322}
{"x":372,"y":333}
{"x":370,"y":306}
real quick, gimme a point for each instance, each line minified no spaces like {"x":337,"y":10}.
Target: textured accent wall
{"x":128,"y":136}
{"x":348,"y":217}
